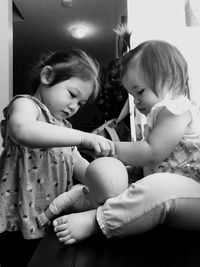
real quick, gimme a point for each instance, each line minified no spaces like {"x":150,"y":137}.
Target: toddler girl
{"x":155,"y":73}
{"x":40,"y":155}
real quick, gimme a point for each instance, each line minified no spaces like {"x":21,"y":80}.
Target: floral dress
{"x":30,"y":178}
{"x":185,"y":158}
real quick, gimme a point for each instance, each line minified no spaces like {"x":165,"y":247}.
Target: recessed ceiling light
{"x":79,"y":32}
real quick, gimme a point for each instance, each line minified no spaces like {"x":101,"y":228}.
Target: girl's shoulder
{"x":14,"y":100}
{"x":18,"y":98}
{"x":41,"y":108}
{"x":29,"y":98}
{"x":175,"y":106}
{"x":43,"y":112}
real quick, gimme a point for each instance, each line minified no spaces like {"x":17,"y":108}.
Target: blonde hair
{"x":164,"y":67}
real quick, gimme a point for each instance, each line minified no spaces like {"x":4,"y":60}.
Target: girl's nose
{"x":73,"y":106}
{"x":137,"y":101}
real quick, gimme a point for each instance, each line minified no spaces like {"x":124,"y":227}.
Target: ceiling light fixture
{"x":79,"y":32}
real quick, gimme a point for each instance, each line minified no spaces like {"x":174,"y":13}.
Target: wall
{"x":5,"y":55}
{"x":165,"y":19}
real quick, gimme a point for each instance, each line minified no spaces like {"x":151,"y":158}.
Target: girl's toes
{"x":65,"y":239}
{"x":70,"y":241}
{"x":63,"y":233}
{"x":60,"y":220}
{"x":59,"y":227}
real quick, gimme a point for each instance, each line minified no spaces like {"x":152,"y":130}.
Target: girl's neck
{"x":38,"y":95}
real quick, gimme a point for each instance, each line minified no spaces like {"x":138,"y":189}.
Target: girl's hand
{"x":98,"y":145}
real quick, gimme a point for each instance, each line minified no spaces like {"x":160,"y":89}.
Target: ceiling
{"x":42,"y":25}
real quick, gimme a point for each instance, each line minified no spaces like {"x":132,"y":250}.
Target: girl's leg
{"x":157,"y":199}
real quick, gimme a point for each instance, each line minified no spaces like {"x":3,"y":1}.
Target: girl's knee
{"x":169,"y":185}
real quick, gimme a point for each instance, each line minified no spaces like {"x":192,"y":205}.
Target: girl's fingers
{"x":112,"y":149}
{"x":102,"y":147}
{"x":97,"y":149}
{"x":105,"y":149}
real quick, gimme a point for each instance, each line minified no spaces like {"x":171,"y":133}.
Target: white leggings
{"x":161,"y":198}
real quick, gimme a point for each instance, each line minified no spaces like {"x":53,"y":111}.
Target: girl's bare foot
{"x":75,"y":227}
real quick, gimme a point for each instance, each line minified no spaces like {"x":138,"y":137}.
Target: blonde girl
{"x":156,"y":74}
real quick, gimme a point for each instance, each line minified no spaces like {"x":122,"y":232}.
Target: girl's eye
{"x":140,"y":92}
{"x":72,"y":95}
{"x":81,"y":103}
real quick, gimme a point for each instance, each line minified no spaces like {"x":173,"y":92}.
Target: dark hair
{"x":66,"y":64}
{"x":164,"y":67}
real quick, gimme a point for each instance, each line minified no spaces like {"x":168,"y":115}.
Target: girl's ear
{"x":47,"y":75}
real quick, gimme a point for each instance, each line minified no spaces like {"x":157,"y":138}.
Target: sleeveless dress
{"x":30,"y":178}
{"x":185,"y":158}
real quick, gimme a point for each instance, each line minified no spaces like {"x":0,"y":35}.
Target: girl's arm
{"x":163,"y":138}
{"x":80,"y":166}
{"x":24,"y":129}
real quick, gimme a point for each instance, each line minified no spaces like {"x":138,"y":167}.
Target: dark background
{"x":42,"y":25}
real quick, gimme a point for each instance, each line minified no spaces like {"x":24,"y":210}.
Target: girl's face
{"x":134,"y":82}
{"x":65,"y":98}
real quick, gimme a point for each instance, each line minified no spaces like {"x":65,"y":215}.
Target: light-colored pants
{"x":161,"y":198}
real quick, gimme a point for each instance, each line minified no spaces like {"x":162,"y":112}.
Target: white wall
{"x":5,"y":55}
{"x":165,"y":19}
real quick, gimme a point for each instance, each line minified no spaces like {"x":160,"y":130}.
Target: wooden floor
{"x":161,"y":247}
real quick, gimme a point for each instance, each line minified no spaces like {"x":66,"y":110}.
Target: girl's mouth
{"x":142,"y":110}
{"x":66,"y":114}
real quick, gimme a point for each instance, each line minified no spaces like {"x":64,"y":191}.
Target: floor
{"x":161,"y":247}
